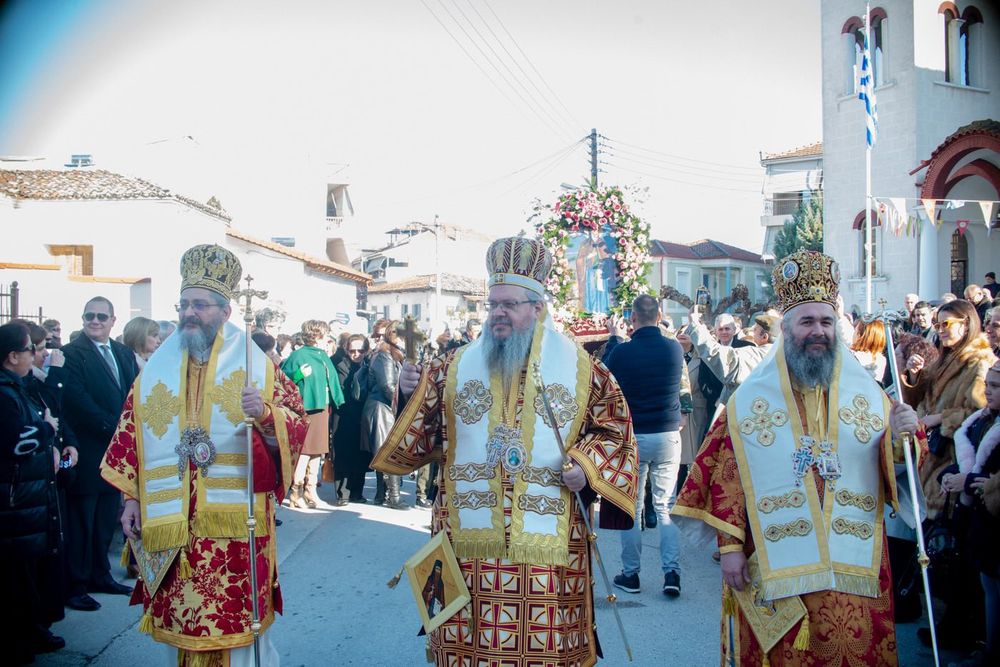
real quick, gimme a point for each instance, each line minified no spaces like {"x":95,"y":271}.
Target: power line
{"x":743,"y":180}
{"x":675,"y":180}
{"x":568,"y":114}
{"x":679,"y":157}
{"x":660,"y":163}
{"x":544,"y":170}
{"x":546,"y":122}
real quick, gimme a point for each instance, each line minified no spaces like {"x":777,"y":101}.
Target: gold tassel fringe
{"x":802,"y":639}
{"x":211,"y":523}
{"x":146,"y":624}
{"x":786,"y":587}
{"x":165,"y":536}
{"x":428,"y":652}
{"x":854,"y":584}
{"x":522,"y":553}
{"x":479,"y":548}
{"x":728,"y":601}
{"x":395,"y":580}
{"x":126,"y":551}
{"x":184,"y":565}
{"x":765,"y":662}
{"x":200,"y":658}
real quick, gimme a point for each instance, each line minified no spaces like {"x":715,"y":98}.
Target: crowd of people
{"x":66,"y":407}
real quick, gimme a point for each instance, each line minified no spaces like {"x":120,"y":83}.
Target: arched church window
{"x":863,"y":256}
{"x":959,"y":262}
{"x":962,"y":38}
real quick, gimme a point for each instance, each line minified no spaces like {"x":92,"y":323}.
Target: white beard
{"x":508,"y":356}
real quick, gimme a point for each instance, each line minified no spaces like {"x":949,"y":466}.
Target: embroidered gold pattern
{"x":779,"y":531}
{"x":859,"y":529}
{"x":563,"y":404}
{"x":794,"y":498}
{"x":227,"y":396}
{"x":161,"y":408}
{"x":864,"y":422}
{"x":470,"y":472}
{"x":541,"y":504}
{"x":863,"y":501}
{"x":473,"y":401}
{"x":542,"y":476}
{"x":233,"y":483}
{"x":473,"y":500}
{"x":166,"y":495}
{"x":763,"y":422}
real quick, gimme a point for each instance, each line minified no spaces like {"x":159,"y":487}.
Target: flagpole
{"x":868,"y":173}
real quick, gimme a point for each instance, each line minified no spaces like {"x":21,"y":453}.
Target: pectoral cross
{"x":412,"y":337}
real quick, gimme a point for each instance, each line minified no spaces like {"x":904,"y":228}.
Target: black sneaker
{"x":627,"y":582}
{"x":672,"y":584}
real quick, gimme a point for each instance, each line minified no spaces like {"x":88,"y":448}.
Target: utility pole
{"x":593,"y":158}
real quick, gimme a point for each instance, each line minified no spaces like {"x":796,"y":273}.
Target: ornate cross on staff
{"x":412,"y":337}
{"x":890,"y":317}
{"x":247,"y":296}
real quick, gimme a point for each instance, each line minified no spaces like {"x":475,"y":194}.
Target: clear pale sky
{"x":256,"y":100}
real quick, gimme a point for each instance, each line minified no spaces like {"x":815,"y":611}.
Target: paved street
{"x":334,"y":566}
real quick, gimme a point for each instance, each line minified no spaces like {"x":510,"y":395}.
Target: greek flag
{"x":866,"y":93}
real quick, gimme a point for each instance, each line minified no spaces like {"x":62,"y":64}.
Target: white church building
{"x":937,"y":76}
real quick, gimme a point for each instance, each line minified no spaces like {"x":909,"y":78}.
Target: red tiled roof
{"x":809,"y":150}
{"x":987,"y":126}
{"x":89,"y":184}
{"x":449,"y":283}
{"x":703,"y":249}
{"x":314,"y":263}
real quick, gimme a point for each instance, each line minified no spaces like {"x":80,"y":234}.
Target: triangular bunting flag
{"x":988,"y":208}
{"x":962,"y":226}
{"x":898,"y":214}
{"x":930,"y":207}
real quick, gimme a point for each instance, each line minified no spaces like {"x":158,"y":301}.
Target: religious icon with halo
{"x":437,"y":582}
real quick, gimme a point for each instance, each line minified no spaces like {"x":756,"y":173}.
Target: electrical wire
{"x":742,"y":180}
{"x":675,"y":180}
{"x":554,"y":128}
{"x":544,"y":170}
{"x":573,"y":121}
{"x":679,"y":157}
{"x":660,"y":163}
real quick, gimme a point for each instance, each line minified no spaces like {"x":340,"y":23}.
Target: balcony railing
{"x":334,"y":221}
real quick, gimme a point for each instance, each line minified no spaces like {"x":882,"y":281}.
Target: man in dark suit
{"x":99,"y":373}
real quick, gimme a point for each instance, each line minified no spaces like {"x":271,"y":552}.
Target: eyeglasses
{"x":30,"y":348}
{"x":199,"y":306}
{"x":947,"y":323}
{"x":100,"y":317}
{"x":505,"y":305}
{"x":355,"y":351}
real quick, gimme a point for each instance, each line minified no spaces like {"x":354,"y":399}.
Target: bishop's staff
{"x":536,"y":375}
{"x":889,"y":317}
{"x":247,"y":296}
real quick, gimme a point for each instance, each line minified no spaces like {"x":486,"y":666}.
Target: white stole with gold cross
{"x":801,"y":544}
{"x":160,"y":405}
{"x":474,"y":408}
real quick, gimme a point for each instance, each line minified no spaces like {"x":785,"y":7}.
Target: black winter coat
{"x":30,"y":524}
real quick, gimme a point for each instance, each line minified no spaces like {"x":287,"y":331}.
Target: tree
{"x":804,"y":231}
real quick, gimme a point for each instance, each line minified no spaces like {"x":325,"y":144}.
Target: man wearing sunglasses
{"x":99,"y":372}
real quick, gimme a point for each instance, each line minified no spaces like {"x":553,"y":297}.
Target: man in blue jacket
{"x":648,"y":368}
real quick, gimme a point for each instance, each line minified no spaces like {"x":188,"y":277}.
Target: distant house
{"x":791,"y":178}
{"x":718,"y":266}
{"x":87,"y":231}
{"x":461,"y":299}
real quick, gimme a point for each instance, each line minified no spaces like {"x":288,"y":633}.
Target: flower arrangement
{"x":594,"y":212}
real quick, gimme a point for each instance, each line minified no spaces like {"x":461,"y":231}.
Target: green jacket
{"x":311,"y":369}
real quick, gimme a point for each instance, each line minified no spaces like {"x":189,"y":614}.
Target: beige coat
{"x":955,"y":388}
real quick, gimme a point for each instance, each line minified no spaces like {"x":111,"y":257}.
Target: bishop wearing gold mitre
{"x":179,"y":458}
{"x":791,"y":483}
{"x":506,"y":501}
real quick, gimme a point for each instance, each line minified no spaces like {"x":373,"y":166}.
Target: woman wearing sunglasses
{"x":944,"y":394}
{"x":30,"y":523}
